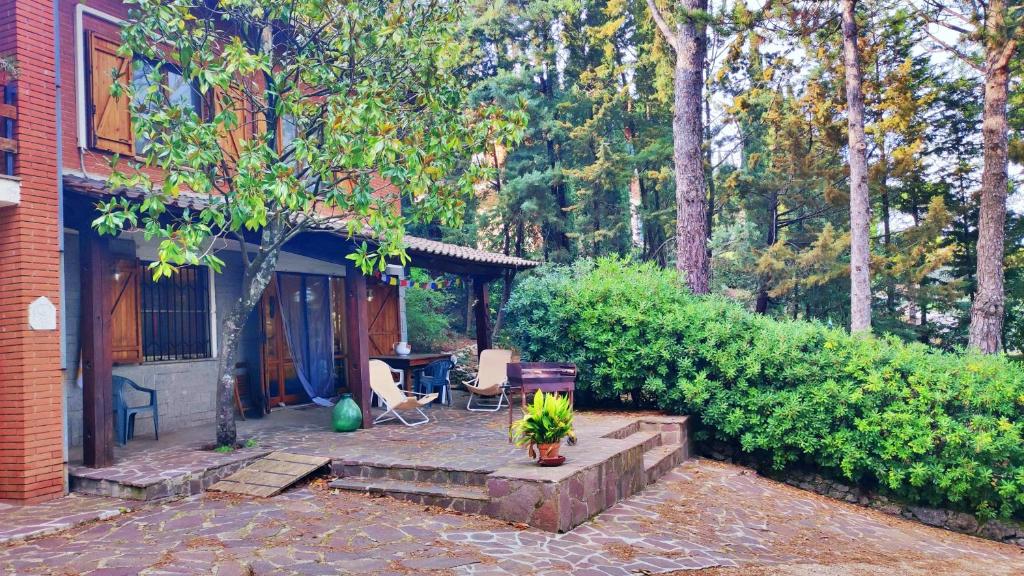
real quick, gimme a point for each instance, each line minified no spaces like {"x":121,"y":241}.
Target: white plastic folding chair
{"x":490,"y":381}
{"x":394,"y":398}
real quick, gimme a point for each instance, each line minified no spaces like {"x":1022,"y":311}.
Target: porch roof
{"x":424,"y":252}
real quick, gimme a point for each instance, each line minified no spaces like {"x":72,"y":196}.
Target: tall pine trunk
{"x":688,"y":136}
{"x":986,"y":331}
{"x":860,"y":215}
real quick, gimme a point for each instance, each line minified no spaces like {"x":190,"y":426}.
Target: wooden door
{"x":280,"y":382}
{"x":384,"y":322}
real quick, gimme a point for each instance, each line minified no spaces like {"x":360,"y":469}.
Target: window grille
{"x":176,"y":315}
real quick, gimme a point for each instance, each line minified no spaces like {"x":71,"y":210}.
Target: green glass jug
{"x":347,"y":415}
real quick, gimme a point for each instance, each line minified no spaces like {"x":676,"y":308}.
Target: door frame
{"x":274,"y":366}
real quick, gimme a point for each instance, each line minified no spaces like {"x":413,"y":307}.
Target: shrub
{"x":428,"y":323}
{"x":923,"y":425}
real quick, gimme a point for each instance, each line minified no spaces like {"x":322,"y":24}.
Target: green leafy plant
{"x":429,"y":324}
{"x":8,"y":66}
{"x":918,"y":424}
{"x":546,"y":420}
{"x":317,"y":117}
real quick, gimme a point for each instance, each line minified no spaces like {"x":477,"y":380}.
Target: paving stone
{"x":702,"y":514}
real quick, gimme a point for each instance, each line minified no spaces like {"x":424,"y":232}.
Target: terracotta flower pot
{"x":548,"y":451}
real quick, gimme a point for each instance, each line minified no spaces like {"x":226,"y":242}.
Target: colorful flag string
{"x":391,"y":280}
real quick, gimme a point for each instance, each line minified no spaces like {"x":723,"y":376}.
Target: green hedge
{"x":926,"y":426}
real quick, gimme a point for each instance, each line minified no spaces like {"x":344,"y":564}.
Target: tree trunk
{"x":688,"y":135}
{"x":506,"y":293}
{"x":860,"y":255}
{"x":771,"y":237}
{"x":890,"y":282}
{"x":255,"y":281}
{"x":636,"y":226}
{"x":709,"y":174}
{"x":988,"y":307}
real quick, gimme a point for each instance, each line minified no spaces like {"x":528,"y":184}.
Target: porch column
{"x":357,"y":328}
{"x":97,"y":391}
{"x":481,"y":306}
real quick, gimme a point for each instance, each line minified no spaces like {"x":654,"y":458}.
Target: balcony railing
{"x":8,"y":116}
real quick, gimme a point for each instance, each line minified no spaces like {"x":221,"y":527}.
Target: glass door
{"x":280,"y":382}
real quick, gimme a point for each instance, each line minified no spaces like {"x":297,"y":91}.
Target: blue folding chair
{"x":436,"y":377}
{"x":124,"y":415}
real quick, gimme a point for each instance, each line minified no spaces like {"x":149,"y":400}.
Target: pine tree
{"x":687,"y":36}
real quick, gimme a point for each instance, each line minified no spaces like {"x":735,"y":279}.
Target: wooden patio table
{"x":409,"y":362}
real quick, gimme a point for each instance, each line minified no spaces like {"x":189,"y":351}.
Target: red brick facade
{"x":31,"y":379}
{"x":31,"y":390}
{"x":32,"y":455}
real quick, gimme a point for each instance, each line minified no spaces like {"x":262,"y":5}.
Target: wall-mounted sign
{"x":42,"y":314}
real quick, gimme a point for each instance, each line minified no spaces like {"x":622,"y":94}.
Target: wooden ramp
{"x":271,"y":474}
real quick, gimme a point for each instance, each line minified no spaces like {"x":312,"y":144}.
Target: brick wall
{"x":31,"y":435}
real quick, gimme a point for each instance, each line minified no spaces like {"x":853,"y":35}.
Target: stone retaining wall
{"x":606,"y":470}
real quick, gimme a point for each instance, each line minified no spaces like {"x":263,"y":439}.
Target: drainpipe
{"x":59,"y":118}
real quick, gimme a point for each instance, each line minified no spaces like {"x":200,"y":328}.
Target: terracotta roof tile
{"x":97,"y":187}
{"x":416,"y":244}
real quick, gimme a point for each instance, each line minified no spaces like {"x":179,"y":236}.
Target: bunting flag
{"x":404,"y":283}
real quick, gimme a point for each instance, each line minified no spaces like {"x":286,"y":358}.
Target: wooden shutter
{"x":126,"y":331}
{"x":231,"y":140}
{"x":110,"y":118}
{"x":384,"y":328}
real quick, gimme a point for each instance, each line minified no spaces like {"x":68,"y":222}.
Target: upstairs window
{"x":110,"y":125}
{"x":179,"y":92}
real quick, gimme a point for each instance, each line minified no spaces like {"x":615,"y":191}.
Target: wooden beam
{"x":357,"y":331}
{"x":8,"y":145}
{"x":483,"y":314}
{"x":8,"y":111}
{"x":97,"y":387}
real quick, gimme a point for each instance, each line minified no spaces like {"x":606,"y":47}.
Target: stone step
{"x":468,"y":499}
{"x":409,"y":473}
{"x":673,"y":430}
{"x":658,"y":461}
{"x":651,"y":440}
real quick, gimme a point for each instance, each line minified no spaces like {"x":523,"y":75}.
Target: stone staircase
{"x":596,"y":475}
{"x":460,"y":490}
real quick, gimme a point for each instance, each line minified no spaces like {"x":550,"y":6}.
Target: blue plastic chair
{"x":436,"y":377}
{"x":124,"y":415}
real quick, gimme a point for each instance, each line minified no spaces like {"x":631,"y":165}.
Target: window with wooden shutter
{"x":126,"y":333}
{"x":110,"y":118}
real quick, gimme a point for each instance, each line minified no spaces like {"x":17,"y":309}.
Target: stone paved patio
{"x":715,"y":518}
{"x":455,"y":439}
{"x":21,"y":522}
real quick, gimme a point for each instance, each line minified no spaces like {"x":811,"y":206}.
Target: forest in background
{"x":594,"y":175}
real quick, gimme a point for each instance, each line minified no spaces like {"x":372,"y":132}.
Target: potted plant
{"x":546,"y":421}
{"x":8,"y":71}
